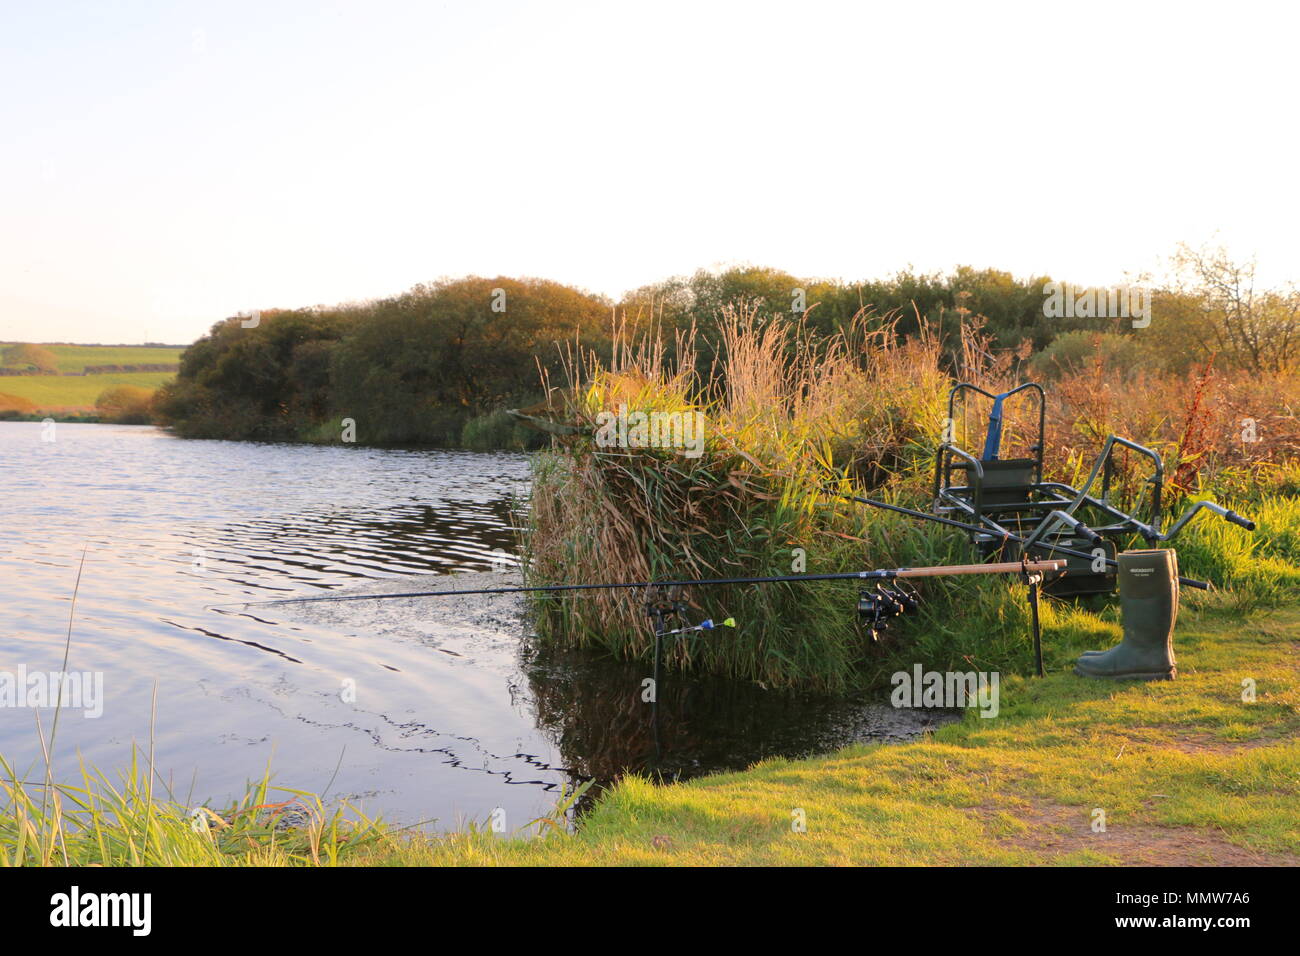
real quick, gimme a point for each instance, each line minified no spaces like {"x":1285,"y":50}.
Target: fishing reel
{"x":879,"y":606}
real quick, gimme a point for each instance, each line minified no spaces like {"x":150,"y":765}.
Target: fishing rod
{"x":882,"y":574}
{"x":664,"y":600}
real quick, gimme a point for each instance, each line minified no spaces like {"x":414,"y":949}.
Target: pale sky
{"x":164,"y":165}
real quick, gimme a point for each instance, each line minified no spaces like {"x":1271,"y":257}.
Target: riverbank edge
{"x":1202,"y":770}
{"x":1072,"y":772}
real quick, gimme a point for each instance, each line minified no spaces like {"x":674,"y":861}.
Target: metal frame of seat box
{"x":1009,"y":496}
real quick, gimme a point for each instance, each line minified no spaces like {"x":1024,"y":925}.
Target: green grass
{"x":73,"y":358}
{"x":75,"y":391}
{"x":131,"y":822}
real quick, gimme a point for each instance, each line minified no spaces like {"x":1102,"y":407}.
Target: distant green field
{"x":75,"y":391}
{"x":73,"y":358}
{"x":80,"y":391}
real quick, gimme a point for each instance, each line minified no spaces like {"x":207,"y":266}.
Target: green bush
{"x":125,"y":404}
{"x":1072,"y":351}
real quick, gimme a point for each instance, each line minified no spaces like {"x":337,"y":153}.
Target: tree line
{"x":437,"y":364}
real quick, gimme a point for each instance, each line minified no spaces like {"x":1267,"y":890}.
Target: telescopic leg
{"x":1033,"y":613}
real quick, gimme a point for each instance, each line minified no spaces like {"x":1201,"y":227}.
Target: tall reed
{"x":790,"y":415}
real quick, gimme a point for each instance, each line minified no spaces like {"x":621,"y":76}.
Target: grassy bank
{"x":1186,"y":772}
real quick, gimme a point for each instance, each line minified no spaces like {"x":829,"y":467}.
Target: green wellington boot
{"x":1124,"y":610}
{"x":1148,"y":598}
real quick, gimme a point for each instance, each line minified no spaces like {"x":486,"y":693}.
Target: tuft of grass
{"x":100,"y":822}
{"x":1257,"y":569}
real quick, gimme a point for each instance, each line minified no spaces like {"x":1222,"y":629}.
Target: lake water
{"x":413,"y":717}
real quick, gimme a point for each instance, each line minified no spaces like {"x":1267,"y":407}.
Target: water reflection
{"x":593,"y":710}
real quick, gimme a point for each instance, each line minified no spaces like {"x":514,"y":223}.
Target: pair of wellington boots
{"x":1148,"y":600}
